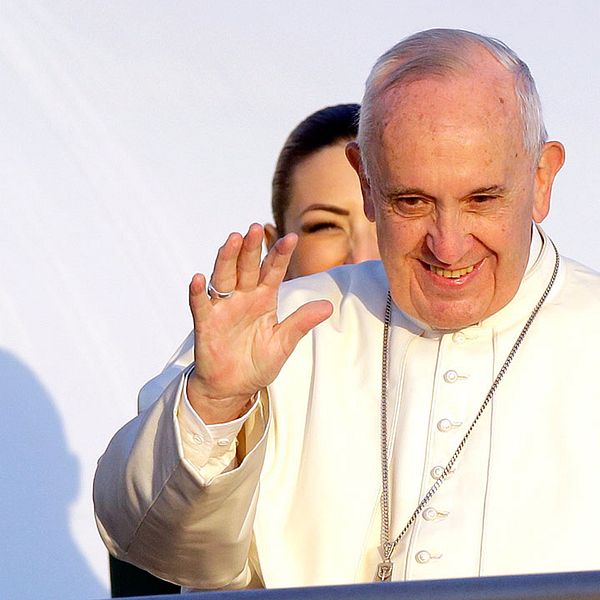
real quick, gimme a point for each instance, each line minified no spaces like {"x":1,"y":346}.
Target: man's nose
{"x":448,"y":239}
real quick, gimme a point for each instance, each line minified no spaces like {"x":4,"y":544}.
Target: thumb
{"x":292,"y":329}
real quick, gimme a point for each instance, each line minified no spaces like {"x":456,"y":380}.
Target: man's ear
{"x":354,"y":157}
{"x":271,"y":235}
{"x":551,"y":160}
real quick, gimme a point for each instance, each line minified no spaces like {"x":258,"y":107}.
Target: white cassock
{"x":521,"y":497}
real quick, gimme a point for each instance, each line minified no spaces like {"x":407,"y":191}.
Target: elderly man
{"x":440,"y":419}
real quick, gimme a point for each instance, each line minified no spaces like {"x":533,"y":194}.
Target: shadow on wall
{"x":39,"y":479}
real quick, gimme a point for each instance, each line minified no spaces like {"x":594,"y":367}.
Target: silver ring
{"x":215,"y":294}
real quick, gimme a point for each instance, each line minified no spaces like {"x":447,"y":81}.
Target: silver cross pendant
{"x":384,"y":570}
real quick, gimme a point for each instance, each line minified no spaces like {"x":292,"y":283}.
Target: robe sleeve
{"x":154,"y":509}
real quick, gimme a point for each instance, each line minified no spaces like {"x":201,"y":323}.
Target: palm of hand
{"x":240,"y":346}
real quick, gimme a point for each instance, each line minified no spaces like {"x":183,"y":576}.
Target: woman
{"x":316,"y":194}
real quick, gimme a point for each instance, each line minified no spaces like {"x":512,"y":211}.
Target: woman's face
{"x":326,"y":211}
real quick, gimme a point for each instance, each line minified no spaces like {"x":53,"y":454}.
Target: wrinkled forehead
{"x":473,"y":83}
{"x":448,"y":107}
{"x":466,"y":98}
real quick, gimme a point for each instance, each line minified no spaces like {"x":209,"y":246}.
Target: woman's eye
{"x":320,"y":226}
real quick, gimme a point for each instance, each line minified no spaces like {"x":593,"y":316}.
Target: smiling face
{"x":326,"y":211}
{"x":453,"y":195}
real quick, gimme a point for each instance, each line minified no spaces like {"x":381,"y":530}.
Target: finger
{"x":224,"y":275}
{"x":292,"y":329}
{"x":277,"y":260}
{"x":248,"y":264}
{"x":199,"y":301}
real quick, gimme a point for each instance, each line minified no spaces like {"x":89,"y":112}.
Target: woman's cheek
{"x":315,"y":255}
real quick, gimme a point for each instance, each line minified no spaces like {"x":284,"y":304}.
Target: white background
{"x":133,"y":136}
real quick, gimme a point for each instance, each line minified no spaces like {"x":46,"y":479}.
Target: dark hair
{"x":323,"y":128}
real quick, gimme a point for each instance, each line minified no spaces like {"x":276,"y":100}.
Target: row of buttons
{"x":443,"y":425}
{"x":430,"y":514}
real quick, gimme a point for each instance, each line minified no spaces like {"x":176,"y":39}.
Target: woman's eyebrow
{"x":338,"y":210}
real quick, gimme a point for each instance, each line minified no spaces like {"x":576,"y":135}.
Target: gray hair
{"x":440,"y":52}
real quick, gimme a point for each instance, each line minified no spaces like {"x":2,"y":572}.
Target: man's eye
{"x":409,"y":201}
{"x":483,"y":198}
{"x":409,"y":205}
{"x":320,"y":226}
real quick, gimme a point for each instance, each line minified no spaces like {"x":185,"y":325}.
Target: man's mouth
{"x":451,"y":274}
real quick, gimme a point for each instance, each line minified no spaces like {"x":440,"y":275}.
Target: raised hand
{"x":239,"y":345}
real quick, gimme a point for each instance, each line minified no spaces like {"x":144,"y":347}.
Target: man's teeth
{"x":450,"y":274}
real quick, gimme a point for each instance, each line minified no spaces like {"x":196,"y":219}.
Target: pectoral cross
{"x":384,"y":570}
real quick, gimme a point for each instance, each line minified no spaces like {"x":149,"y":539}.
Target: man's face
{"x":453,"y":195}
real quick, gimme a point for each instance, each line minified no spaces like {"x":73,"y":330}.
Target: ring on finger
{"x":215,"y":294}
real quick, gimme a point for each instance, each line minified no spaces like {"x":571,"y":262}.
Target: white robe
{"x":520,"y":499}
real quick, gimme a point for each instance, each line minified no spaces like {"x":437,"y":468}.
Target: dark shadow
{"x":39,"y":478}
{"x":127,"y":580}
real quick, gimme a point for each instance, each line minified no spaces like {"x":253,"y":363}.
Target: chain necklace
{"x":384,"y":568}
